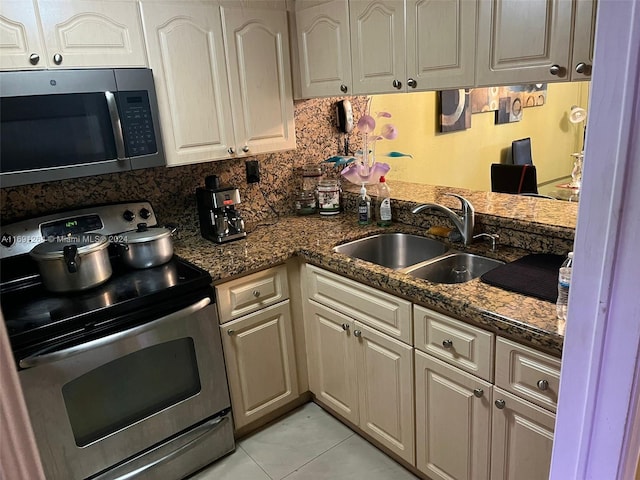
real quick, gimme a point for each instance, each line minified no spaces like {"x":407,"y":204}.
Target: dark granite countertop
{"x":524,"y":319}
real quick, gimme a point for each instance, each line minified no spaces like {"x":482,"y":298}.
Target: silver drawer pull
{"x":256,"y":293}
{"x":230,"y":332}
{"x":357,"y":333}
{"x":543,"y":385}
{"x":447,"y":343}
{"x":478,"y":392}
{"x":345,"y":326}
{"x":500,"y":404}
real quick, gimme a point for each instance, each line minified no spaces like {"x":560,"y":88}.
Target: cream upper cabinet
{"x":522,"y":439}
{"x":324,"y":51}
{"x":583,"y":39}
{"x":377,"y":46}
{"x":186,"y":53}
{"x":258,"y":65}
{"x":523,"y":41}
{"x":21,"y":46}
{"x":441,"y":43}
{"x":260,"y":359}
{"x":75,"y":34}
{"x":453,"y":421}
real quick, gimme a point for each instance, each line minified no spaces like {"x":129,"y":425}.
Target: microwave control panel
{"x":137,"y":123}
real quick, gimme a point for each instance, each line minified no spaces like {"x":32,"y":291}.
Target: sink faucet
{"x":464,"y":223}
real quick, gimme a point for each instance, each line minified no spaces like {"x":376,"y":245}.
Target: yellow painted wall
{"x":463,"y":159}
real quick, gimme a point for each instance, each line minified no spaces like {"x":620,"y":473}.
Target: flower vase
{"x":576,"y":173}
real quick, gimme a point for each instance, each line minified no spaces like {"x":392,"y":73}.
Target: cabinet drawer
{"x":252,"y":292}
{"x":384,"y":312}
{"x":455,"y":342}
{"x":533,"y":375}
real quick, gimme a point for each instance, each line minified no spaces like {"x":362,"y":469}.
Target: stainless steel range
{"x":125,"y":379}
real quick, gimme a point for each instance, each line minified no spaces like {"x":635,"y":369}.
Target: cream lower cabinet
{"x":363,"y":375}
{"x":70,"y":34}
{"x":453,"y":421}
{"x":257,"y":337}
{"x":521,"y":439}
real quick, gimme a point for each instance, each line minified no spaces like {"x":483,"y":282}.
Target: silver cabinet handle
{"x":57,"y":59}
{"x":39,"y":358}
{"x":231,"y":150}
{"x":245,"y":149}
{"x":412,"y":83}
{"x":34,"y":58}
{"x":583,"y":68}
{"x":543,"y":385}
{"x":256,"y":293}
{"x":345,"y":326}
{"x":357,"y":333}
{"x":555,"y":70}
{"x":116,"y":126}
{"x":478,"y":392}
{"x":344,"y":88}
{"x":230,"y":332}
{"x":500,"y":404}
{"x":397,"y":84}
{"x":447,"y":343}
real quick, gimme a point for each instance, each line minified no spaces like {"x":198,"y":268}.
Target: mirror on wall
{"x":463,"y":158}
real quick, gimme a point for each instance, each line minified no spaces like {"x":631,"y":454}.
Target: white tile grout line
{"x":317,"y":456}
{"x":251,"y":458}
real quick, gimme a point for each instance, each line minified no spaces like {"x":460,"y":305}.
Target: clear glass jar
{"x":328,"y":197}
{"x":305,"y":202}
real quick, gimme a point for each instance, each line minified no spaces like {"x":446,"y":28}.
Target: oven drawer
{"x":250,"y":293}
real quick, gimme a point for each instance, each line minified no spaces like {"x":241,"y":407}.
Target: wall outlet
{"x":253,"y":171}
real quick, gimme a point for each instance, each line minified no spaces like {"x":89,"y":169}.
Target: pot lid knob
{"x":142,"y":227}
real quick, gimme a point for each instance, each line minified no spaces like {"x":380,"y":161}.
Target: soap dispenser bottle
{"x":364,"y":207}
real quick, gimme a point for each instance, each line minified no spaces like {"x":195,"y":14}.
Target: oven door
{"x":99,"y":403}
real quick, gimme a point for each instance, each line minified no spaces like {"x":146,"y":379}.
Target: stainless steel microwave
{"x":58,"y":124}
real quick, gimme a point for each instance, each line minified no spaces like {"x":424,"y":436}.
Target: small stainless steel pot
{"x":146,"y":247}
{"x":71,"y":264}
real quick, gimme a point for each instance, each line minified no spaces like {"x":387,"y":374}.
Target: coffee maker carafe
{"x":219,"y":219}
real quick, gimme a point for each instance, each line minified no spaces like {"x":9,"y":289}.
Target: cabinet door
{"x":258,"y":64}
{"x":324,"y":50}
{"x":453,"y":421}
{"x":521,"y":439}
{"x":331,"y":360}
{"x":519,"y":42}
{"x":584,"y":34}
{"x":260,"y":358}
{"x":441,"y":43}
{"x":377,"y":46}
{"x":385,"y":390}
{"x":20,"y":41}
{"x":92,"y":33}
{"x":186,"y":53}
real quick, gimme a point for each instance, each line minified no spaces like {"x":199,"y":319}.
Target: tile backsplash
{"x":172,"y":190}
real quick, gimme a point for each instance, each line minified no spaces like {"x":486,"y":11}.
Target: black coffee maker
{"x":219,"y":219}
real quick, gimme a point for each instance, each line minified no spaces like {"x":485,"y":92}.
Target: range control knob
{"x":145,"y":214}
{"x":128,"y":215}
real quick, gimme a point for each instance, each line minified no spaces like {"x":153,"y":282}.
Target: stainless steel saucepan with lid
{"x":73,"y":263}
{"x":147,"y":246}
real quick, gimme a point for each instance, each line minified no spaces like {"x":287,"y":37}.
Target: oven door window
{"x":131,"y":388}
{"x":55,"y":130}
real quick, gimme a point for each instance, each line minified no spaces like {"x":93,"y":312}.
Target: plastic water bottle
{"x":564,"y":280}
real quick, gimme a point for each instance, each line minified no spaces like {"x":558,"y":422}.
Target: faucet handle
{"x":465,"y":204}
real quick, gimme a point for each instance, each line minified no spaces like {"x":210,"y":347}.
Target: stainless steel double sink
{"x":420,"y":257}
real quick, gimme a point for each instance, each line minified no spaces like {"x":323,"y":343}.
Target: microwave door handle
{"x":40,"y":358}
{"x":116,"y":125}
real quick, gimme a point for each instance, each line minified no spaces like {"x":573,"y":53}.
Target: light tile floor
{"x":306,"y":444}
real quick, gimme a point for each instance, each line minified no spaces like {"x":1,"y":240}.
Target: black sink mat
{"x":535,"y":275}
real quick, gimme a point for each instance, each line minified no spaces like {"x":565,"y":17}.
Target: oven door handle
{"x":39,"y":358}
{"x":200,"y":432}
{"x":116,"y":125}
